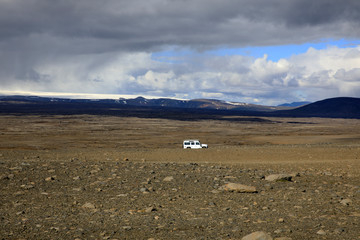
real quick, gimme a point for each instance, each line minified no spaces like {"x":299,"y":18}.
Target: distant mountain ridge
{"x":341,"y":107}
{"x":156,"y":102}
{"x":197,"y":103}
{"x":294,"y":104}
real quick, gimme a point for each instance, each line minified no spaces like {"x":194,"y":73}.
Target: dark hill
{"x":341,"y":107}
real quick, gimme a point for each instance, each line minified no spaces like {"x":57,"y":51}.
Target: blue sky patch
{"x":274,"y":53}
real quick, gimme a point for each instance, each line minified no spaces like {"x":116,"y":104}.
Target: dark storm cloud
{"x":320,"y":12}
{"x":142,"y":25}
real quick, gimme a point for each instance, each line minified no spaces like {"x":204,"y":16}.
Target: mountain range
{"x":342,"y":107}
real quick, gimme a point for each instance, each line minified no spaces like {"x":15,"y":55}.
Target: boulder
{"x":240,"y":188}
{"x":257,"y":236}
{"x":278,"y":177}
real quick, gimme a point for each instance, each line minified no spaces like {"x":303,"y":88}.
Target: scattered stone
{"x":346,"y":202}
{"x":278,"y":178}
{"x":76,"y":178}
{"x":181,"y":208}
{"x":19,"y":193}
{"x":27,"y":186}
{"x":55,"y":229}
{"x":144,"y":190}
{"x":240,"y":188}
{"x":48,"y":179}
{"x":20,"y":213}
{"x":168,"y":179}
{"x":127,"y":228}
{"x":88,"y":206}
{"x":257,"y":236}
{"x":230,"y":177}
{"x":15,"y":169}
{"x":126,"y":159}
{"x":148,"y":181}
{"x":339,"y":230}
{"x":150,"y":209}
{"x":122,"y":195}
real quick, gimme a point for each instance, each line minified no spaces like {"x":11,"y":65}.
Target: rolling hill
{"x":341,"y":107}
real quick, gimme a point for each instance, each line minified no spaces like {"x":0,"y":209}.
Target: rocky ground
{"x":171,"y":193}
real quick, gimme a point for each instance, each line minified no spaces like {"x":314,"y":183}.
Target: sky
{"x":255,"y":51}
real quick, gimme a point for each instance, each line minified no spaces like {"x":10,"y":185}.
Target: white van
{"x":194,"y":144}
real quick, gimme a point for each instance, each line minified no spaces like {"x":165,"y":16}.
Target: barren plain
{"x":106,"y":177}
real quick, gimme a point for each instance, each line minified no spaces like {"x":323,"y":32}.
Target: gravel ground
{"x":91,"y":177}
{"x":141,"y":200}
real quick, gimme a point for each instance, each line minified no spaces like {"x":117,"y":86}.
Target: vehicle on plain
{"x":193,"y":144}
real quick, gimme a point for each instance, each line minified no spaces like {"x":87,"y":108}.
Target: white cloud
{"x":212,"y":95}
{"x":328,"y":71}
{"x":313,"y":75}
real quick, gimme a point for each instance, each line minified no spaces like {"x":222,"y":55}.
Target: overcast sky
{"x":256,"y":51}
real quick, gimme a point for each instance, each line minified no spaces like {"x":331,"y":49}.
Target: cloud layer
{"x":143,"y":25}
{"x":107,"y":46}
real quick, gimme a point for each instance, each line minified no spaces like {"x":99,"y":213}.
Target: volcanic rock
{"x":257,"y":236}
{"x":278,"y":177}
{"x":240,"y":188}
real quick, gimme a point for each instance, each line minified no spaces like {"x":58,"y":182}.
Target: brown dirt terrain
{"x":102,"y":177}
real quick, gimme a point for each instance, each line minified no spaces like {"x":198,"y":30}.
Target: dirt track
{"x":91,"y":177}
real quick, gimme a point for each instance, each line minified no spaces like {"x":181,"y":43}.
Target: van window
{"x":187,"y":143}
{"x":192,"y":143}
{"x":197,"y":143}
